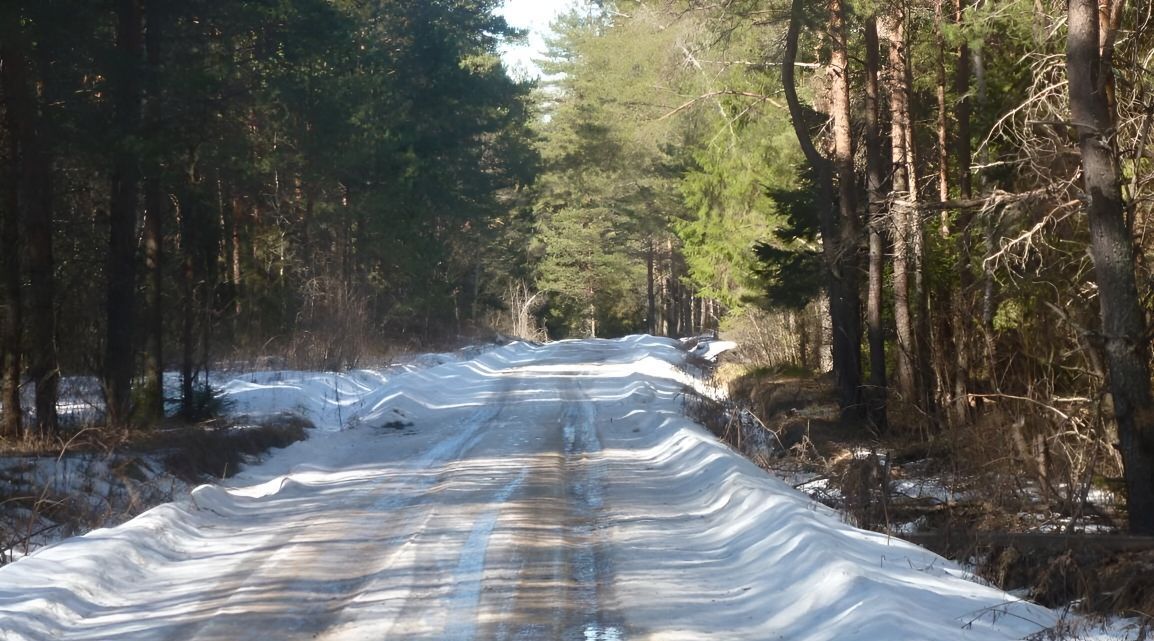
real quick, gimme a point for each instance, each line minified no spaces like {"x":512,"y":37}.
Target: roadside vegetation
{"x":963,"y":494}
{"x":95,"y":479}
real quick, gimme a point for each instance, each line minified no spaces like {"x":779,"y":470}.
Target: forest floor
{"x":528,"y":492}
{"x":935,"y":492}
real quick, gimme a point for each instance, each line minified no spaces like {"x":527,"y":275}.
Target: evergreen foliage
{"x":321,"y":174}
{"x":955,"y":166}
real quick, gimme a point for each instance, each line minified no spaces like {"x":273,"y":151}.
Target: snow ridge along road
{"x":547,"y":493}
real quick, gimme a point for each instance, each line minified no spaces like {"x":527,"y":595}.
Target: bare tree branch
{"x":723,"y":92}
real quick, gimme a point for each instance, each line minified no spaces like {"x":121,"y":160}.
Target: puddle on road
{"x":598,"y":633}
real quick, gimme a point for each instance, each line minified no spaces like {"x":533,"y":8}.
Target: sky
{"x":534,"y":15}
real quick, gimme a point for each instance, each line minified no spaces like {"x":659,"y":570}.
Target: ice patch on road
{"x":596,"y":633}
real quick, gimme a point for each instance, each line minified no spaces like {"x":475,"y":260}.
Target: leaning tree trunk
{"x":119,"y":355}
{"x":840,"y":260}
{"x":1112,"y":249}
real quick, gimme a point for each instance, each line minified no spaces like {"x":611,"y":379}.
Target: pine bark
{"x":847,"y":333}
{"x":843,"y":305}
{"x":673,"y":292}
{"x":945,"y":333}
{"x":961,"y":316}
{"x":1112,"y":249}
{"x":651,"y":288}
{"x":943,"y":111}
{"x":10,"y":264}
{"x":901,"y":217}
{"x":875,"y":173}
{"x":31,"y":204}
{"x":156,"y":212}
{"x":119,"y":356}
{"x":43,"y":365}
{"x":188,"y":302}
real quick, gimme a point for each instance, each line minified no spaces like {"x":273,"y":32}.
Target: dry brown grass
{"x":197,"y":453}
{"x":997,"y":474}
{"x":97,"y":478}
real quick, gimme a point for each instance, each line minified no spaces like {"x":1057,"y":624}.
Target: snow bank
{"x":333,"y":401}
{"x":532,"y":492}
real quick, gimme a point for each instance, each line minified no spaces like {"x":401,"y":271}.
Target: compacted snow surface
{"x":551,"y":492}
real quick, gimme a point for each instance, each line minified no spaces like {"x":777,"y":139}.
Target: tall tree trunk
{"x":942,"y":337}
{"x":877,"y":222}
{"x":911,"y":299}
{"x":1112,"y":249}
{"x":238,"y":289}
{"x":592,"y":321}
{"x":650,"y":288}
{"x":43,"y":365}
{"x":943,"y":111}
{"x":33,"y":206}
{"x":119,"y":356}
{"x":156,"y":211}
{"x":188,"y":304}
{"x":695,"y":315}
{"x":11,"y":64}
{"x":990,"y":234}
{"x":961,"y":316}
{"x":675,"y":292}
{"x":900,"y":216}
{"x":839,"y":260}
{"x":847,"y":337}
{"x":917,"y":238}
{"x":154,"y":202}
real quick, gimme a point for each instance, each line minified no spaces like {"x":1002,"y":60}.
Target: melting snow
{"x":537,"y":492}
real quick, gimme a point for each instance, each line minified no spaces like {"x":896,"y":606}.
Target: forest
{"x":189,"y":182}
{"x":943,"y":202}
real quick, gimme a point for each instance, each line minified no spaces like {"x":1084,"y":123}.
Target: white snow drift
{"x":533,"y":492}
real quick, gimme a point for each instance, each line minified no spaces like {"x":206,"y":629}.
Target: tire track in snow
{"x":466,"y":594}
{"x":528,"y":599}
{"x":591,"y":572}
{"x":462,"y":573}
{"x":320,"y":615}
{"x":382,"y":599}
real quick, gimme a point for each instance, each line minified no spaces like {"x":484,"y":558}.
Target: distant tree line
{"x":189,"y":179}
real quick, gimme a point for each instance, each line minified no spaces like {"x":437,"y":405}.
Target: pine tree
{"x":1124,"y":332}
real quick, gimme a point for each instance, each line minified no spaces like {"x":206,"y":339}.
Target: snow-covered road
{"x":531,"y":493}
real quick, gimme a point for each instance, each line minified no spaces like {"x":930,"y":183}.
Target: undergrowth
{"x":964,"y":494}
{"x":50,"y":490}
{"x":218,"y":451}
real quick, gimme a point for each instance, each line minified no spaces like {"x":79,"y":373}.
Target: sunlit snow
{"x":531,"y":492}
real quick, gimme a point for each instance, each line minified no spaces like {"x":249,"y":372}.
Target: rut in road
{"x":496,"y":534}
{"x":531,"y":567}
